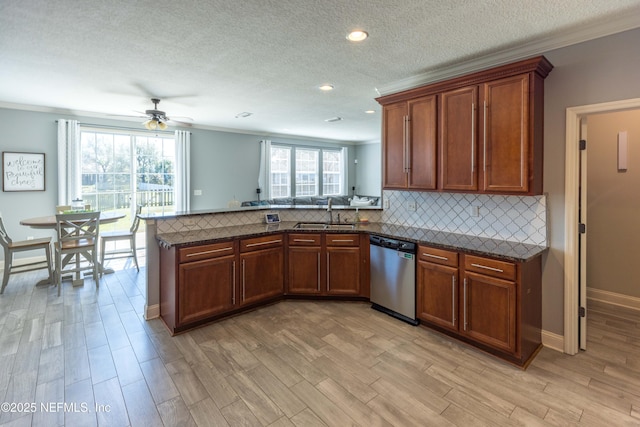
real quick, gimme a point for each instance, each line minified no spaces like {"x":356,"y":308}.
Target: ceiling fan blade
{"x":181,"y":118}
{"x":179,"y":123}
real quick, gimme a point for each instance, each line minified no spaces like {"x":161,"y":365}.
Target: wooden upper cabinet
{"x":394,"y":147}
{"x":421,"y":143}
{"x":409,"y":144}
{"x":489,"y":130}
{"x":458,"y":139}
{"x":505,"y":135}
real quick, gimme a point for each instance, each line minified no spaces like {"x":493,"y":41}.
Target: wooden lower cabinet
{"x":199,"y":296}
{"x":326,"y":264}
{"x":197,"y":283}
{"x":490,"y":311}
{"x":493,"y":304}
{"x":304,"y":257}
{"x":262,"y":269}
{"x":437,"y":294}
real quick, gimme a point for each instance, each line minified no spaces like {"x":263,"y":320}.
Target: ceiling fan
{"x":157,"y":119}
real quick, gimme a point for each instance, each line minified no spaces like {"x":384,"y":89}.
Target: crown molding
{"x":524,"y":50}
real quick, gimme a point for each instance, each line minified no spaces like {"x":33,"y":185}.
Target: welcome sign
{"x":22,"y":171}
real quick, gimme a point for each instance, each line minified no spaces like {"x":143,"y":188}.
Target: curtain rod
{"x":125,"y":128}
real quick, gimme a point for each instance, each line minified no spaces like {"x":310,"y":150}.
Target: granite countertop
{"x":511,"y":251}
{"x":169,"y":215}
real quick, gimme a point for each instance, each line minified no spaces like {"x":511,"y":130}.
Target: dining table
{"x":49,"y":222}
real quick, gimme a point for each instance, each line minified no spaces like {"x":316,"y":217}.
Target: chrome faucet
{"x":329,"y":211}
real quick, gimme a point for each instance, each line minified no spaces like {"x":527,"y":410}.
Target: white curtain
{"x":69,"y":163}
{"x":265,"y":169}
{"x":183,"y":171}
{"x":345,"y":171}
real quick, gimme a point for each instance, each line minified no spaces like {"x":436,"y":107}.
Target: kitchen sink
{"x":323,"y":226}
{"x":345,"y":226}
{"x":310,"y":225}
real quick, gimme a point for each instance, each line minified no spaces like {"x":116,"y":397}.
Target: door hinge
{"x":582,"y":312}
{"x":582,"y":228}
{"x":583,"y":144}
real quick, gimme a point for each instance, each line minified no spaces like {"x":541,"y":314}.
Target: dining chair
{"x":11,"y":247}
{"x":78,"y":243}
{"x":115,"y":236}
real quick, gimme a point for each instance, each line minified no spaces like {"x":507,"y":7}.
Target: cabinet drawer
{"x":263,"y":242}
{"x":304,"y":239}
{"x":438,"y":256}
{"x":196,"y":253}
{"x":490,"y":267}
{"x":343,"y":239}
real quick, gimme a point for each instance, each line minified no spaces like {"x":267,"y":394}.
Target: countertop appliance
{"x":393,"y":277}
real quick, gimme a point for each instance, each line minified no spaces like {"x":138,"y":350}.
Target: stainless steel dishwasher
{"x":393,"y":277}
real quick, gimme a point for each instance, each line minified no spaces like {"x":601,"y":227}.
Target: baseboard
{"x":151,"y":311}
{"x":613,"y":298}
{"x":553,"y":341}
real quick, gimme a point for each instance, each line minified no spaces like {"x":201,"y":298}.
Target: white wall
{"x":368,"y":178}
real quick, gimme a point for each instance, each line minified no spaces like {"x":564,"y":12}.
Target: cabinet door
{"x":206,"y":288}
{"x":304,"y":270}
{"x":489,"y":311}
{"x":458,"y":142}
{"x":394,"y":129}
{"x":343,"y":270}
{"x":505,"y":132}
{"x":262,"y":275}
{"x":437,"y":294}
{"x":422,"y":142}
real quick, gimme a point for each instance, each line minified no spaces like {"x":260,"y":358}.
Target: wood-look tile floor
{"x":89,"y":358}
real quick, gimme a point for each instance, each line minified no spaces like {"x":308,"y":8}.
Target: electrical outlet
{"x":385,"y":204}
{"x":29,"y":237}
{"x":474,"y":210}
{"x":197,"y":192}
{"x":189,"y":222}
{"x":411,"y":206}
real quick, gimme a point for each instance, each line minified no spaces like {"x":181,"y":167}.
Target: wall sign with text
{"x":22,"y":171}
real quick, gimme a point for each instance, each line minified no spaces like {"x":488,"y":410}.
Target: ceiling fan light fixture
{"x":151,"y":124}
{"x":162,"y":125}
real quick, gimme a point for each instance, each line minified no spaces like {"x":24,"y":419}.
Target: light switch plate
{"x":197,"y":192}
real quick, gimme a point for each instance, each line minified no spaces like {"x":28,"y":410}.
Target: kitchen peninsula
{"x":208,"y":265}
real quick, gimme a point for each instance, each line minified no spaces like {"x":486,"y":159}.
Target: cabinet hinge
{"x":583,"y":144}
{"x":582,"y":228}
{"x":582,"y":312}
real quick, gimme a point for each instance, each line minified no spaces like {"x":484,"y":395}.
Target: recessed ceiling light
{"x":370,"y":111}
{"x":326,"y":87}
{"x":357,"y":35}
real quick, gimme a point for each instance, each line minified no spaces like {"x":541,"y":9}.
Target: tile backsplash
{"x":520,"y":219}
{"x":226,"y":219}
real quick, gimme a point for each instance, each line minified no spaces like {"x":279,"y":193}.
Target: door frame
{"x":571,"y":191}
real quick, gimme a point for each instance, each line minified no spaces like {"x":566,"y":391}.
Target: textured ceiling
{"x":210,"y":60}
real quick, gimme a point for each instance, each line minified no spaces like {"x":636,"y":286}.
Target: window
{"x":307,"y":172}
{"x":121,"y":170}
{"x":315,"y":171}
{"x":280,"y":172}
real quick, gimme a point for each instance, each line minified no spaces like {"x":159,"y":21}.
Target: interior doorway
{"x":575,"y":288}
